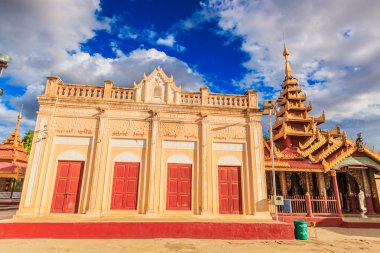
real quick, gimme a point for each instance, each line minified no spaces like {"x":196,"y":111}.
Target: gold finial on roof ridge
{"x":14,"y":139}
{"x":19,"y":117}
{"x":288,"y":69}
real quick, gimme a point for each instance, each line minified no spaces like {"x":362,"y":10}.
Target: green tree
{"x":27,"y":140}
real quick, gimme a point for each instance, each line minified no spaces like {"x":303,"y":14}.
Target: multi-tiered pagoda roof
{"x":298,"y":142}
{"x":13,"y":156}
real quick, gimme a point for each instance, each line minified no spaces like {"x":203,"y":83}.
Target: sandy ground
{"x":6,"y":214}
{"x":328,"y":240}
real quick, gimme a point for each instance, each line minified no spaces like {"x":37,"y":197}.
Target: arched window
{"x":157,"y":92}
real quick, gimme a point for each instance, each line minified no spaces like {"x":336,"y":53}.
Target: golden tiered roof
{"x":13,"y":156}
{"x":13,"y":141}
{"x":293,"y":118}
{"x":299,"y":144}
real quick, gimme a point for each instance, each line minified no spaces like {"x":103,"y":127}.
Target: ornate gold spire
{"x":17,"y":128}
{"x":288,"y":69}
{"x":14,"y":138}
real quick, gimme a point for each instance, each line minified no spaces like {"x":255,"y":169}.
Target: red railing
{"x":305,"y":205}
{"x":324,"y":205}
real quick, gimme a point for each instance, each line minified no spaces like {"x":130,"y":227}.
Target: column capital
{"x":155,"y":115}
{"x":254,"y":120}
{"x":102,"y":113}
{"x":332,"y":173}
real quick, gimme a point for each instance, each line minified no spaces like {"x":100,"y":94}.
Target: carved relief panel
{"x":129,"y":128}
{"x":174,"y":130}
{"x":76,"y":126}
{"x":227,"y":133}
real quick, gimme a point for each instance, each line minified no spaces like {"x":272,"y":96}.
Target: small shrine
{"x":13,"y":162}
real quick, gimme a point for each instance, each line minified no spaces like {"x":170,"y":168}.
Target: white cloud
{"x":128,"y":32}
{"x":126,"y":69}
{"x":330,"y":42}
{"x":43,"y":37}
{"x":38,"y":34}
{"x":9,"y":119}
{"x":168,"y":41}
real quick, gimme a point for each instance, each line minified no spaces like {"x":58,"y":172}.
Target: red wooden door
{"x":125,"y":186}
{"x":229,"y":190}
{"x":179,"y":187}
{"x":67,"y":187}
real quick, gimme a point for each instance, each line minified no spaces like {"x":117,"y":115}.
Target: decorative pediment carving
{"x":156,"y":87}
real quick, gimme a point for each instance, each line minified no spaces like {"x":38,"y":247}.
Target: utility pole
{"x":269,"y":106}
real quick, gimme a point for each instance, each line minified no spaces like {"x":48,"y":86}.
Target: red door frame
{"x":179,"y":186}
{"x":125,"y":186}
{"x":229,"y":182}
{"x":67,"y":187}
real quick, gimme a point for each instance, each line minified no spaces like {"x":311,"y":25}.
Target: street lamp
{"x":4,"y":60}
{"x":269,"y":106}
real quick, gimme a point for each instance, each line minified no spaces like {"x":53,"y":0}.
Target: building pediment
{"x":156,"y":87}
{"x":362,"y":161}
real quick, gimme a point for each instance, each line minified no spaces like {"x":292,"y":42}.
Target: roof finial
{"x":20,"y":114}
{"x":19,"y":117}
{"x":288,"y":69}
{"x":360,"y":143}
{"x":14,"y":137}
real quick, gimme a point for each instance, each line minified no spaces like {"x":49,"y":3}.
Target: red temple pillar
{"x":309,"y":208}
{"x":336,"y":193}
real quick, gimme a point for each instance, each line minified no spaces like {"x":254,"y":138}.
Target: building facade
{"x":148,"y":150}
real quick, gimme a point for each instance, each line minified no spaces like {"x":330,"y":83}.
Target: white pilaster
{"x":203,"y":164}
{"x":95,"y":201}
{"x":152,"y":174}
{"x":36,"y":158}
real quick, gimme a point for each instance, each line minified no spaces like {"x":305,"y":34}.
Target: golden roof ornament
{"x":17,"y":128}
{"x":344,"y":138}
{"x":318,"y":134}
{"x":360,"y":143}
{"x":288,"y":69}
{"x":329,"y":137}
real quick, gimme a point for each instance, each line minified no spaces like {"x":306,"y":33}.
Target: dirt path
{"x":329,"y":240}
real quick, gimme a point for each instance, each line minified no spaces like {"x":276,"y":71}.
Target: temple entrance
{"x":229,"y":190}
{"x":179,"y":187}
{"x":349,"y":193}
{"x":67,"y":187}
{"x":125,"y":186}
{"x":295,"y":186}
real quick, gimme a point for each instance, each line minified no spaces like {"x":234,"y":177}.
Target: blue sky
{"x":230,"y":46}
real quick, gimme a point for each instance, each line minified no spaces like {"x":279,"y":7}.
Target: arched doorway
{"x":349,"y":190}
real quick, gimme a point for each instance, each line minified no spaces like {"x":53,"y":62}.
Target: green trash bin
{"x":300,"y":229}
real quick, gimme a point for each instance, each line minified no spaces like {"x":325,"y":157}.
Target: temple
{"x":155,"y":150}
{"x":325,"y":164}
{"x":13,"y":163}
{"x":150,"y":150}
